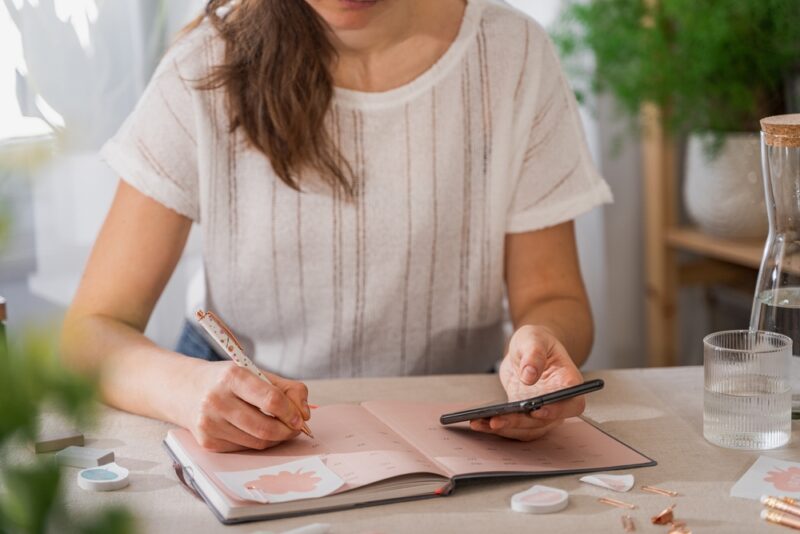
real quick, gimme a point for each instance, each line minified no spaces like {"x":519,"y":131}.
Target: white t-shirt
{"x":407,"y":278}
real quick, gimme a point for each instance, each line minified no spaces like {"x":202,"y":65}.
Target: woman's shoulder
{"x":519,"y":50}
{"x":509,"y":30}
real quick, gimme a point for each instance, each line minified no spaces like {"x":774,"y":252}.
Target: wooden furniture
{"x":721,"y":260}
{"x":657,"y":411}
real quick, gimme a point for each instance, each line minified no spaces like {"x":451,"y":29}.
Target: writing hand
{"x":231,"y":407}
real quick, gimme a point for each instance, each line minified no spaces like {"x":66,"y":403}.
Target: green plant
{"x":715,"y":65}
{"x":33,"y":381}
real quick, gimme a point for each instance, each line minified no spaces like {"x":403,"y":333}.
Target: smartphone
{"x":520,"y":406}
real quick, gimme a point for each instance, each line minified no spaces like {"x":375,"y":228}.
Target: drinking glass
{"x":748,"y":396}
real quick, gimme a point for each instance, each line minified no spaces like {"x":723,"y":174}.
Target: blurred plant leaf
{"x":717,"y":66}
{"x":33,"y":377}
{"x":30,"y":495}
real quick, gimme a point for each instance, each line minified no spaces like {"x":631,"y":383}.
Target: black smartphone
{"x":527,"y":405}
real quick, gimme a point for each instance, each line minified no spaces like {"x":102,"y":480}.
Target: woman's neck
{"x":389,"y":27}
{"x":398,"y":45}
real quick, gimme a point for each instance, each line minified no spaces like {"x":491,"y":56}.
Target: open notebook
{"x":387,"y":451}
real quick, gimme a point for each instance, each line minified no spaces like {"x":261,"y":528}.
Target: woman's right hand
{"x":230,"y":410}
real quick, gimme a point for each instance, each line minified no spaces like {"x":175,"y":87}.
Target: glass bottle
{"x":776,"y":304}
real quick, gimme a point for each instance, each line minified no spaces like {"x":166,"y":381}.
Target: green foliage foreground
{"x":32,"y":381}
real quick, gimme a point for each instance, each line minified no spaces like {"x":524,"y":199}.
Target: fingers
{"x":561,"y":410}
{"x":215,"y":433}
{"x":297,"y":392}
{"x":266,"y":397}
{"x":263,"y":430}
{"x":534,"y":430}
{"x":532,"y":425}
{"x":529,"y":348}
{"x":240,"y":410}
{"x":228,"y":438}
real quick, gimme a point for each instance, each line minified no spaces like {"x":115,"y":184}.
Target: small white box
{"x":84,"y":457}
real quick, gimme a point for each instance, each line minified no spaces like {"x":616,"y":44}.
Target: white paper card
{"x":612,"y":482}
{"x":307,"y":478}
{"x":769,"y":476}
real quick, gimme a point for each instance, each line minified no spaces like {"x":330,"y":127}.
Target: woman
{"x":369,"y":177}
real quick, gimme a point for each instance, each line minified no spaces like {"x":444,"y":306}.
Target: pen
{"x":233,"y":349}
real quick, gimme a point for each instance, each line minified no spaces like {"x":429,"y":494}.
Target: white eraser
{"x":107,"y":477}
{"x":540,"y":500}
{"x":84,"y":457}
{"x":612,"y":482}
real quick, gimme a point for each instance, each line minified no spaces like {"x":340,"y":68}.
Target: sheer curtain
{"x":83,"y":65}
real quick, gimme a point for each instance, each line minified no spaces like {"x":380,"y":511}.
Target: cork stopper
{"x":782,"y":130}
{"x":3,"y":316}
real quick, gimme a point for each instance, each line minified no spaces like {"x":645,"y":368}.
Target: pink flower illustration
{"x":785,"y":479}
{"x":285,"y":482}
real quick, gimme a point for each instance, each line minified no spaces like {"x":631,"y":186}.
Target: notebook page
{"x":349,"y":440}
{"x":574,"y":446}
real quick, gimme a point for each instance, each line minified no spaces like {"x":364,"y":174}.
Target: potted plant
{"x":714,"y":67}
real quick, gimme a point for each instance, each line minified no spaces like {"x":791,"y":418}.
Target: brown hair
{"x":278,"y":84}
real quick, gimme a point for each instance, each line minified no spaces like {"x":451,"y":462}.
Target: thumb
{"x":529,"y":353}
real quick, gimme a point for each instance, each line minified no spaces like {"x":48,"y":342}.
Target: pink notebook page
{"x":350,"y":440}
{"x":575,"y":445}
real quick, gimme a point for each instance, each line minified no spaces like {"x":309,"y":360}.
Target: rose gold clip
{"x":618,"y":504}
{"x":667,"y":517}
{"x":663,"y":518}
{"x":660,"y":491}
{"x":628,"y":524}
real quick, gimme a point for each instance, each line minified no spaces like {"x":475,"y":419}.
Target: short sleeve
{"x":155,"y":149}
{"x":558,"y":180}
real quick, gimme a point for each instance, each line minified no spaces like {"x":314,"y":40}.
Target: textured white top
{"x":407,"y":278}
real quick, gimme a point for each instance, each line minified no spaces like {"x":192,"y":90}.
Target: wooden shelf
{"x":746,"y":253}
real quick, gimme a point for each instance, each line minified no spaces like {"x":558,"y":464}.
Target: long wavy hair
{"x":277,"y":79}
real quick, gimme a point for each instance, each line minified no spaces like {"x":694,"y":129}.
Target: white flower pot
{"x":724,"y":196}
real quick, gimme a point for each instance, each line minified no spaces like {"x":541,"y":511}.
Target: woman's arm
{"x":133,"y":258}
{"x":545,"y":287}
{"x":553,"y":329}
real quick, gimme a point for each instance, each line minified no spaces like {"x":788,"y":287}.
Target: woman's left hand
{"x":536,"y":363}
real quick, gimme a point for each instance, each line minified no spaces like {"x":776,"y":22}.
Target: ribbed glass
{"x":748,"y":396}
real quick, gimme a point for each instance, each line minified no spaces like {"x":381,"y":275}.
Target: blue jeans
{"x":192,"y":343}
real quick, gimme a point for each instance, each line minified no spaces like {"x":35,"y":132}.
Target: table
{"x":657,"y":411}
